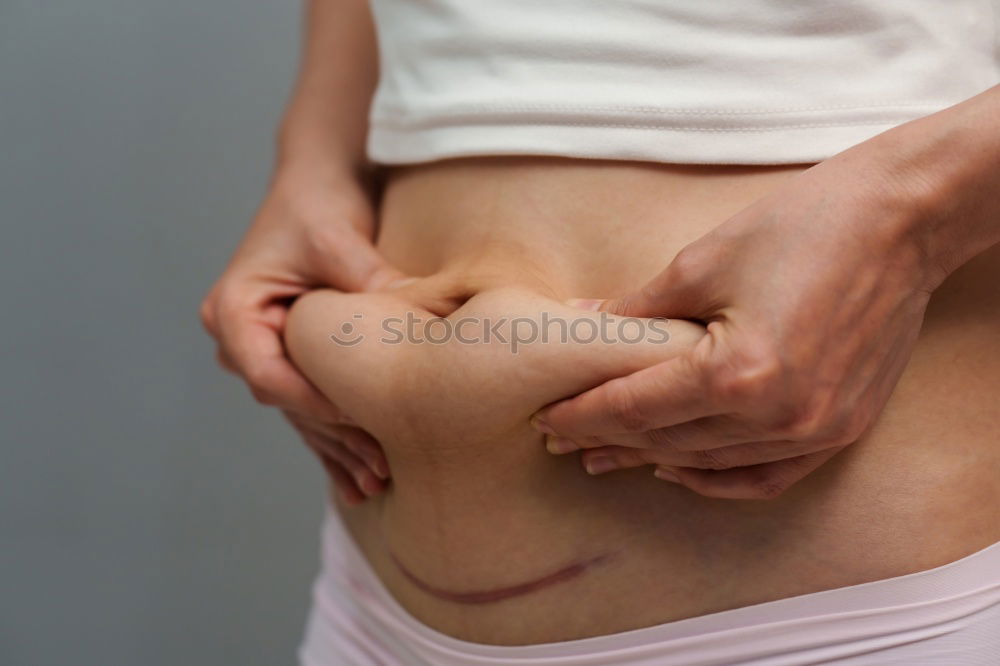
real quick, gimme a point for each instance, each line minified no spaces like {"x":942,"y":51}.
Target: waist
{"x":920,"y":490}
{"x":591,"y":227}
{"x":948,"y":610}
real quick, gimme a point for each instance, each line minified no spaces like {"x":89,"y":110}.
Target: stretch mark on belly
{"x":502,"y":593}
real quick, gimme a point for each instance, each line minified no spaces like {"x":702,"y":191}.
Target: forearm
{"x":326,"y":123}
{"x":948,"y":163}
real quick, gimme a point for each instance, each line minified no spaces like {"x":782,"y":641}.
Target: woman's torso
{"x":922,"y":489}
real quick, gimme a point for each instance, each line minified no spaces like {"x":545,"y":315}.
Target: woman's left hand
{"x":813,"y":297}
{"x":352,"y":458}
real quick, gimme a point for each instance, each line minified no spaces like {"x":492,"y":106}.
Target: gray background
{"x":150,"y":512}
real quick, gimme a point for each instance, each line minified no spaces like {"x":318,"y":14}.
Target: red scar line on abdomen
{"x":501,"y":593}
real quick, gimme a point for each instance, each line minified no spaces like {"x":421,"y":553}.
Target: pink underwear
{"x":948,"y":616}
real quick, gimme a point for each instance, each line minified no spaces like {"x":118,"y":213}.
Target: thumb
{"x":356,"y":266}
{"x":669,"y":294}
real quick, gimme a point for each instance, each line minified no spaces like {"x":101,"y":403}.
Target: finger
{"x":346,"y":486}
{"x":257,"y":352}
{"x":348,"y":490}
{"x":356,"y":440}
{"x":327,"y":448}
{"x":703,"y":436}
{"x":364,"y":477}
{"x":765,"y":481}
{"x":713,"y":432}
{"x":715,"y":442}
{"x":356,"y":266}
{"x":663,"y":395}
{"x":365,"y":447}
{"x":677,"y":291}
{"x":729,"y":457}
{"x":610,"y":458}
{"x":437,"y":295}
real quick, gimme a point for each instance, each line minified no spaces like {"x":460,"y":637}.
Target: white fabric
{"x":737,"y":81}
{"x":948,"y":616}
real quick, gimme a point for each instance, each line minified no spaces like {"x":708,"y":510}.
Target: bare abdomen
{"x":922,"y":489}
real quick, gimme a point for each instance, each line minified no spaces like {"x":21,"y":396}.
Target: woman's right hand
{"x":314,"y":229}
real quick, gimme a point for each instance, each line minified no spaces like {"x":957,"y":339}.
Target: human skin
{"x":814,"y":296}
{"x":313,"y":229}
{"x":919,"y":489}
{"x":481,"y":515}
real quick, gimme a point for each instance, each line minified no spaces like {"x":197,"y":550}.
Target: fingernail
{"x":600,"y":465}
{"x":666,"y":475}
{"x":560,"y":445}
{"x":585,"y":303}
{"x":541,"y":426}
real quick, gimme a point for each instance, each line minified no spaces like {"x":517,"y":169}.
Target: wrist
{"x":941,"y":177}
{"x":318,"y":135}
{"x":317,"y":154}
{"x":304,"y":183}
{"x":309,"y":171}
{"x":314,"y":160}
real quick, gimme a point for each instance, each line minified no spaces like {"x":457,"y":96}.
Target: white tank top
{"x":696,"y":81}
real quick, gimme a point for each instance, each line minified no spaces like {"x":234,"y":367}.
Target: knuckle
{"x":755,"y":374}
{"x":804,"y":416}
{"x":685,"y":266}
{"x":227,"y":299}
{"x":624,"y":407}
{"x":820,"y":417}
{"x":802,"y":422}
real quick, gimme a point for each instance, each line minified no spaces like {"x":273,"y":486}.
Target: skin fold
{"x":813,"y":296}
{"x":770,"y":377}
{"x":473,"y":502}
{"x":476,"y":504}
